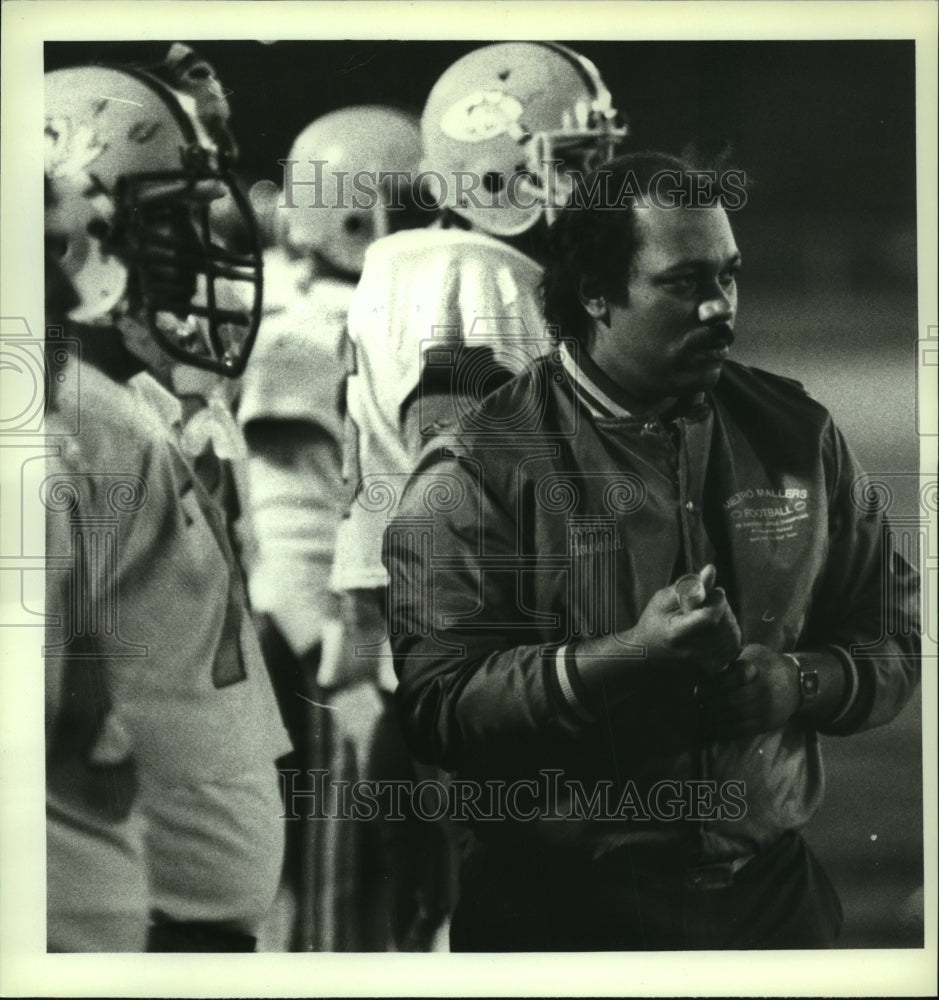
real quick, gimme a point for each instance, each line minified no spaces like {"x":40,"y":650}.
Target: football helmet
{"x":335,"y":200}
{"x":134,"y":167}
{"x":501,"y":120}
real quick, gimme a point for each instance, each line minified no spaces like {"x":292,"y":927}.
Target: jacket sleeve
{"x":867,"y":606}
{"x":476,"y":680}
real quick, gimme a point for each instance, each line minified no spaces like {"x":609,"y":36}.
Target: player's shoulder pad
{"x":414,"y":244}
{"x":113,"y":430}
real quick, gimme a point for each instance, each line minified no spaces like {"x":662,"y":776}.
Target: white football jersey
{"x":298,"y":362}
{"x":184,"y":696}
{"x":421,"y":292}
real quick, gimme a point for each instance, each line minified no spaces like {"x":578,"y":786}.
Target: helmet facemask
{"x":201,"y":300}
{"x":553,"y":157}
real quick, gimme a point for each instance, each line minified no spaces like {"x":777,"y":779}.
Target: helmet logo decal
{"x":481,"y":115}
{"x":143,"y":131}
{"x":68,"y":154}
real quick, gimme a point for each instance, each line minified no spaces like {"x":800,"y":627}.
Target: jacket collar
{"x":603,"y":398}
{"x":598,"y":393}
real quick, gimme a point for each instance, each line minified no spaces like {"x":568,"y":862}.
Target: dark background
{"x":827,"y":125}
{"x":826,"y":133}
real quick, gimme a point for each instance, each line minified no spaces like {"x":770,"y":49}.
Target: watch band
{"x":808,"y":680}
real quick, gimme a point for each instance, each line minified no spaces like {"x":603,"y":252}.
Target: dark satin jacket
{"x":550,"y":517}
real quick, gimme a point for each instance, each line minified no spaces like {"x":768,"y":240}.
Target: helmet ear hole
{"x":99,"y":229}
{"x":430,"y":187}
{"x":493,"y":181}
{"x":340,"y":218}
{"x":354,"y":225}
{"x":56,"y":245}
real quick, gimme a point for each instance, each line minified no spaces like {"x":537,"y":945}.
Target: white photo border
{"x":26,"y":968}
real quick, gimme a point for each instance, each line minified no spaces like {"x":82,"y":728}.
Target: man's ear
{"x":593,"y":301}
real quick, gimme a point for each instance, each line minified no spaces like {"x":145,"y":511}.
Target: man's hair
{"x":594,"y":239}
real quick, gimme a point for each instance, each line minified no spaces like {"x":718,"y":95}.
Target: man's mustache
{"x":712,"y":338}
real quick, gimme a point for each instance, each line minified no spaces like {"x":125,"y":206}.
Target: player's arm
{"x":296,"y":491}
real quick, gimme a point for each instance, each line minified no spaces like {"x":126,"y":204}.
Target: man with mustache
{"x":635,"y":747}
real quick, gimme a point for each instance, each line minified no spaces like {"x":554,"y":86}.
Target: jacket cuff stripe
{"x":861,"y":682}
{"x":570,"y":684}
{"x":852,"y":684}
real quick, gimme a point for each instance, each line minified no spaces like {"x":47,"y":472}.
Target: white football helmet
{"x":335,"y":201}
{"x":133,"y":168}
{"x":497,"y":121}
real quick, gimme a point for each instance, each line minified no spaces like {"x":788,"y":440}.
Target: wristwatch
{"x":808,"y":680}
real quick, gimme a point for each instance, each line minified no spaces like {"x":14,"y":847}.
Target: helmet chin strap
{"x":138,"y":339}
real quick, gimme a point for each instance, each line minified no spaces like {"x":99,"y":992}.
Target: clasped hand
{"x":689,"y":623}
{"x":756,"y":693}
{"x":741,"y":692}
